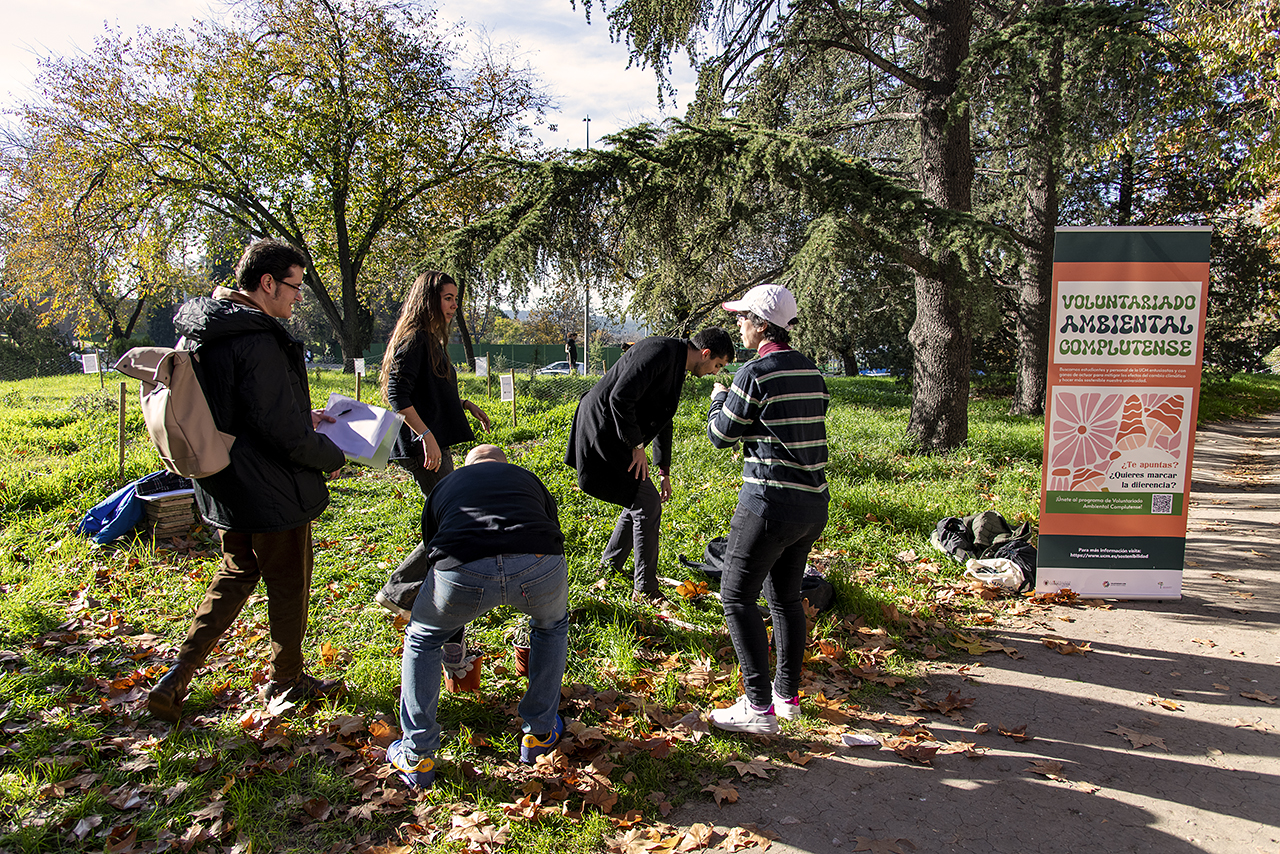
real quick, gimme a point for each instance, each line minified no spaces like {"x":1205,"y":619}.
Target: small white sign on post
{"x":507,"y":387}
{"x":359,"y":367}
{"x":482,"y":366}
{"x":89,"y":363}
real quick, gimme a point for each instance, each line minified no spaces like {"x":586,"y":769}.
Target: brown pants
{"x":283,"y":560}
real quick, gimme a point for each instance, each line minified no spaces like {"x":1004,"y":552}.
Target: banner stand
{"x":1126,"y":348}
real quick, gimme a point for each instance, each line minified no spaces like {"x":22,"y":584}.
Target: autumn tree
{"x":81,"y":243}
{"x":337,"y":125}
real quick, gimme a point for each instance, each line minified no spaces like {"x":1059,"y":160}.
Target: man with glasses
{"x":254,"y":378}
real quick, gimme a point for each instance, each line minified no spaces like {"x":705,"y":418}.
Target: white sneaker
{"x":786,"y":710}
{"x":740,"y":717}
{"x":382,"y":600}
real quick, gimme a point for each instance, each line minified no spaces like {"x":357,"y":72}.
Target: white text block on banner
{"x":359,"y":367}
{"x":482,"y":366}
{"x":507,"y":387}
{"x":89,"y":363}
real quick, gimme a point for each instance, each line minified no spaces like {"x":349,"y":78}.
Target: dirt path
{"x":1207,"y":776}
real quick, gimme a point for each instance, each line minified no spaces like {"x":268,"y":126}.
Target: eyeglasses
{"x":297,"y":286}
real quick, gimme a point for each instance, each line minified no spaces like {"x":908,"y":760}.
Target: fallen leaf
{"x":600,"y":796}
{"x":799,"y":758}
{"x":1171,"y":705}
{"x":1048,"y":767}
{"x":1017,"y":733}
{"x":1138,"y":740}
{"x":1065,"y":647}
{"x":758,"y":767}
{"x":1269,"y":699}
{"x":86,"y":824}
{"x":722,"y":792}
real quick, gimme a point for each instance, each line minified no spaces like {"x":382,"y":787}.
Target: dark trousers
{"x":423,"y":476}
{"x":282,"y":559}
{"x":637,"y":527}
{"x":403,"y":583}
{"x":770,"y":555}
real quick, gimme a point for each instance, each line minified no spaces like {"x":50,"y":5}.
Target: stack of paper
{"x":364,"y":433}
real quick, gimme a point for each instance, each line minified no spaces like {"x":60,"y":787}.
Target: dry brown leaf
{"x":1048,"y":767}
{"x":722,"y":792}
{"x":799,"y":758}
{"x":758,"y":767}
{"x":1017,"y":733}
{"x":1139,"y":740}
{"x":1065,"y":647}
{"x":601,"y":797}
{"x":1269,"y":699}
{"x":1171,"y":705}
{"x":697,"y":836}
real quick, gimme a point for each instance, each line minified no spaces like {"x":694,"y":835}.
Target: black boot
{"x":165,"y":700}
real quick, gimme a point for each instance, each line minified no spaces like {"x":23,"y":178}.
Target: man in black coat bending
{"x":630,"y":407}
{"x":253,"y":375}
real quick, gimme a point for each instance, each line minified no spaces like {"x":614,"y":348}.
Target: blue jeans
{"x":770,"y":555}
{"x":536,"y":585}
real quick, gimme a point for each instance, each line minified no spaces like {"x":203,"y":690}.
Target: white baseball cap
{"x":772,"y":302}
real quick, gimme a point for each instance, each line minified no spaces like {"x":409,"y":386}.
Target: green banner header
{"x":1133,"y":246}
{"x":1071,"y":551}
{"x":1114,"y":503}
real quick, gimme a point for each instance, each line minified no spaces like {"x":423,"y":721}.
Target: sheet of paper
{"x":365,"y":433}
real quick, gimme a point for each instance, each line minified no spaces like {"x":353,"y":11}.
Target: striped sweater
{"x":777,"y":409}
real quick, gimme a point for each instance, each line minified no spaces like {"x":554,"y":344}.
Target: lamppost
{"x":586,"y":295}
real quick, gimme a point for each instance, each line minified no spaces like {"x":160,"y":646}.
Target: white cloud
{"x":581,"y":69}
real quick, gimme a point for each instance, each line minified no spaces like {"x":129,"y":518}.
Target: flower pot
{"x":466,"y":683}
{"x":521,"y":654}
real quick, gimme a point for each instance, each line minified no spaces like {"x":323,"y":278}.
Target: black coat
{"x":434,"y":398}
{"x":254,"y":377}
{"x":632,"y":405}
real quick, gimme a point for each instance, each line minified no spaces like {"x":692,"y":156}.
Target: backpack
{"x":176,"y":412}
{"x":114,"y":516}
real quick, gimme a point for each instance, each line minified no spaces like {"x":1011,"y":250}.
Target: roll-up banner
{"x":1125,"y":352}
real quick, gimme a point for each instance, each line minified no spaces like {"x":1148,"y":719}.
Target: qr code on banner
{"x":1162,"y":504}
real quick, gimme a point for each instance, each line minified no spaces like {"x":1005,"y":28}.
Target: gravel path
{"x":1164,"y":736}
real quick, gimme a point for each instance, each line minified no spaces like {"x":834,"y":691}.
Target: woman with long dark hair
{"x":420,"y":383}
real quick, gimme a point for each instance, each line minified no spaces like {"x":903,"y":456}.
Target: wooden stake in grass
{"x":123,"y":401}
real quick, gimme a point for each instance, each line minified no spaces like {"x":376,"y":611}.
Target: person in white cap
{"x":777,"y":409}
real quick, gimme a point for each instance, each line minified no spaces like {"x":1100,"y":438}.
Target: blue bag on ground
{"x":116,"y":516}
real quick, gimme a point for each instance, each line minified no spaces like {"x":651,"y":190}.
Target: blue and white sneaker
{"x":532,"y":746}
{"x":416,"y":776}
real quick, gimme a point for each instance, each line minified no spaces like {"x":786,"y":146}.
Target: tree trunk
{"x":1124,"y":204}
{"x":465,"y":334}
{"x":850,"y":360}
{"x":1040,"y":216}
{"x":941,"y":336}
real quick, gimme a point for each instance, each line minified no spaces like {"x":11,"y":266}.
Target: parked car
{"x":561,"y":368}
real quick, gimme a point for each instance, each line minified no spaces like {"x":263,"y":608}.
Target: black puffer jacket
{"x":255,"y":379}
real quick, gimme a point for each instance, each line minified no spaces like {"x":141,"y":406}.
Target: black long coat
{"x":632,"y":405}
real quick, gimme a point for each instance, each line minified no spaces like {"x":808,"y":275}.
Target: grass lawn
{"x":85,"y":631}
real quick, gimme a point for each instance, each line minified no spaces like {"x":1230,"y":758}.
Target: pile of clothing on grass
{"x":992,"y":550}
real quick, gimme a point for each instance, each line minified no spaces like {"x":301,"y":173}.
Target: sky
{"x":579,"y":67}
